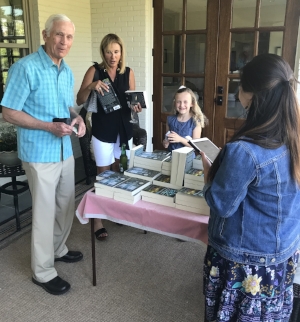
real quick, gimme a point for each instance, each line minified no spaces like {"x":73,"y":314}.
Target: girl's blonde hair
{"x":198,"y":116}
{"x":106,"y":41}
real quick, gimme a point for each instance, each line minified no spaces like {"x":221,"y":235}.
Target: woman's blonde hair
{"x":198,"y":116}
{"x":105,"y":43}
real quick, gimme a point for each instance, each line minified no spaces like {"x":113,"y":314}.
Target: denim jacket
{"x":254,"y":205}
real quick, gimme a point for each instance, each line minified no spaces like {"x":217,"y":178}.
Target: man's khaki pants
{"x":52,"y":189}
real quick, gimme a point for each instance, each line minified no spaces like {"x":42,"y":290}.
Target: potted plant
{"x":8,"y":145}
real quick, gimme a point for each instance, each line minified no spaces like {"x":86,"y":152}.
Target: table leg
{"x":16,"y":203}
{"x":93,"y":251}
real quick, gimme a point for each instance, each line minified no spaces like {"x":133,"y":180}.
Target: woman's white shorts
{"x":106,"y":153}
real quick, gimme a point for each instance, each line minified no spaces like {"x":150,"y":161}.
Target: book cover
{"x":142,"y":173}
{"x":155,"y":155}
{"x":136,"y":96}
{"x":131,"y":186}
{"x":105,"y":174}
{"x":159,"y":192}
{"x":110,"y":182}
{"x":109,"y":101}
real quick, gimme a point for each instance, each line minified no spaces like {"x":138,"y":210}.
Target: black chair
{"x":90,"y":168}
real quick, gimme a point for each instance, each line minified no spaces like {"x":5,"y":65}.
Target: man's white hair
{"x":52,"y":19}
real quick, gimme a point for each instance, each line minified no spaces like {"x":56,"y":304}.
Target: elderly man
{"x":39,"y":99}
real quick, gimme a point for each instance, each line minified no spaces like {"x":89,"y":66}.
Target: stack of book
{"x":191,"y":200}
{"x":182,"y":161}
{"x":159,"y":195}
{"x":194,"y":179}
{"x":105,"y":186}
{"x":150,"y":160}
{"x":129,"y":190}
{"x":166,"y":166}
{"x":165,"y":181}
{"x":197,"y":162}
{"x":142,"y":173}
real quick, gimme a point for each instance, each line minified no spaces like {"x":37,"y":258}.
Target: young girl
{"x":252,"y":189}
{"x":188,"y":120}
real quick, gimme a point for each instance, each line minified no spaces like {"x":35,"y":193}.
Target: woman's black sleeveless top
{"x":106,"y":127}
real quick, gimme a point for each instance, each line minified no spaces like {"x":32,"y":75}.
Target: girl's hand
{"x":165,"y":143}
{"x":173,"y":137}
{"x":206,"y":165}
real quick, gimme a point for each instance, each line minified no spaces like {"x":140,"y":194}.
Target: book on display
{"x":194,"y":175}
{"x":151,"y":160}
{"x":105,"y":174}
{"x":193,"y":184}
{"x":109,"y":182}
{"x":134,"y":97}
{"x":142,"y":173}
{"x":166,"y":166}
{"x":182,"y":161}
{"x":197,"y":210}
{"x":131,"y":186}
{"x":197,"y":162}
{"x":104,"y":193}
{"x":167,"y":203}
{"x":137,"y":150}
{"x":127,"y":199}
{"x":164,"y":180}
{"x":204,"y":144}
{"x":159,"y":193}
{"x":190,"y":197}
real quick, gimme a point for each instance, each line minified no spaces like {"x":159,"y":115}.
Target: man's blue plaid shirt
{"x":37,"y":87}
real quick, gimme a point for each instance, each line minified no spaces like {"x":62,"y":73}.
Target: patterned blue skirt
{"x":247,"y":293}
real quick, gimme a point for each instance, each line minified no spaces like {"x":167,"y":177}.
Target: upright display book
{"x":142,"y":173}
{"x":204,"y":144}
{"x":135,"y":96}
{"x":109,"y":101}
{"x":137,"y":150}
{"x":131,"y":186}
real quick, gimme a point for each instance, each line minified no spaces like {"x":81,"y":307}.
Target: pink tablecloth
{"x":145,"y":215}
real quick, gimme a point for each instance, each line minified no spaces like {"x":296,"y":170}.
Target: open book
{"x":204,"y":144}
{"x":135,"y":96}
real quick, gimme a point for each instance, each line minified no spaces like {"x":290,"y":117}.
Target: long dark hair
{"x":273,"y":117}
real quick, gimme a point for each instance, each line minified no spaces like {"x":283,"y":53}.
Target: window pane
{"x":234,"y":107}
{"x":272,"y":13}
{"x":243,"y":13}
{"x":242,"y":45}
{"x":172,"y":54}
{"x":196,"y":14}
{"x":197,"y":86}
{"x":195,"y":53}
{"x":270,"y":42}
{"x":172,"y":19}
{"x":170,"y":87}
{"x":12,"y":21}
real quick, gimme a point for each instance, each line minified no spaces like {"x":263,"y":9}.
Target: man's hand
{"x":81,"y":126}
{"x":60,"y":129}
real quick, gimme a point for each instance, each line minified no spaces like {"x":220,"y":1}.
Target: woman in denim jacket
{"x":252,"y":189}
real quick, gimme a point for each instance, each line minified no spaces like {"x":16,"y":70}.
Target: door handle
{"x":219,"y":100}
